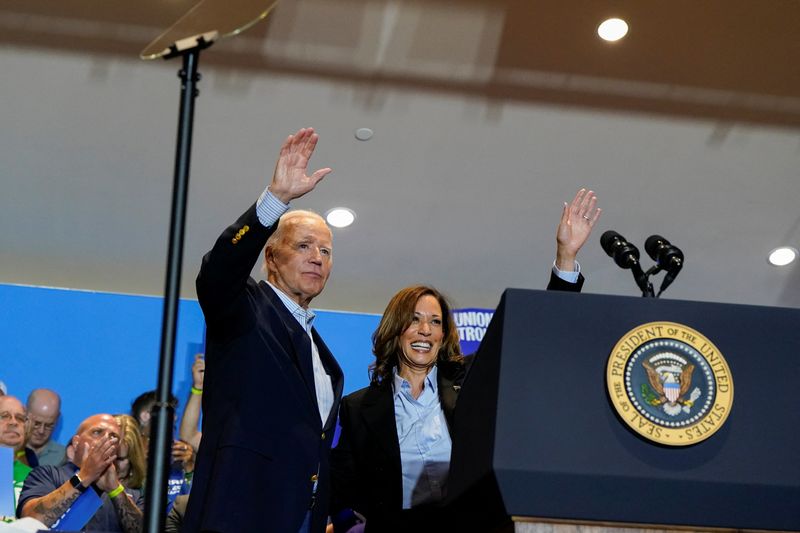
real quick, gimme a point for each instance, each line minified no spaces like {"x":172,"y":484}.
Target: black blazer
{"x":262,"y":435}
{"x":365,"y":465}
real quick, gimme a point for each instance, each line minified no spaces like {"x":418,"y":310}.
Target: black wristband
{"x":76,"y":483}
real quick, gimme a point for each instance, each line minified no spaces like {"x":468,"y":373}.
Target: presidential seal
{"x":669,"y":383}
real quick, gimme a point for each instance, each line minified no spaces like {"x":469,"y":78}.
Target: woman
{"x":130,"y":463}
{"x":393,"y":456}
{"x":392,"y":460}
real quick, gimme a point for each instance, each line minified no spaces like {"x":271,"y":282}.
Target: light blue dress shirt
{"x":424,"y":441}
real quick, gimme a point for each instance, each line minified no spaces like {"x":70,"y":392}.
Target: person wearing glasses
{"x":13,"y":420}
{"x":44,"y":408}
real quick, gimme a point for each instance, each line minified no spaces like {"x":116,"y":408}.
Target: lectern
{"x":538,"y":434}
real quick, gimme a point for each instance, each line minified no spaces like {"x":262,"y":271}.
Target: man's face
{"x":12,"y":421}
{"x":40,"y":427}
{"x":92,"y":430}
{"x":300,"y":262}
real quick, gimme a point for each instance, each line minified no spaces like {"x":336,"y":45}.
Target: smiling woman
{"x":416,"y":332}
{"x":407,"y":408}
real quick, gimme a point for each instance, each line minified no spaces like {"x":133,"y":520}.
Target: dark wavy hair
{"x":397,"y":318}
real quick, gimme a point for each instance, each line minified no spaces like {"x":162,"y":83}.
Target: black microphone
{"x":666,"y":256}
{"x":626,"y":256}
{"x":624,"y":253}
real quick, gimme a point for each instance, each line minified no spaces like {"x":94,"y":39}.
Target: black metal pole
{"x":162,"y":414}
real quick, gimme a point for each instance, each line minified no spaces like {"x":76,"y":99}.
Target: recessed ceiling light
{"x":612,"y":29}
{"x":364,"y":134}
{"x":340,"y":217}
{"x":782,"y":256}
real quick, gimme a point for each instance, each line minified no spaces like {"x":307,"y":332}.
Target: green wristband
{"x":195,"y":390}
{"x":116,"y":492}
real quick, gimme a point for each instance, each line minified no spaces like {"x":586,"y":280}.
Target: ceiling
{"x":487,"y":116}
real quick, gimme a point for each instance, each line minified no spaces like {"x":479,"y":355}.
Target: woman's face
{"x":122,"y":463}
{"x":422,"y":339}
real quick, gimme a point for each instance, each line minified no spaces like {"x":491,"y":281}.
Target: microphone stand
{"x":646,"y":285}
{"x":163,"y":413}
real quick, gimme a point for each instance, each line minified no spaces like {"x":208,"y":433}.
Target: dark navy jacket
{"x":263,"y":441}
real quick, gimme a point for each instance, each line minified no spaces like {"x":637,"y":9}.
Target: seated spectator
{"x":12,"y":428}
{"x":44,"y":408}
{"x":12,"y":434}
{"x":50,"y":490}
{"x":141,"y":412}
{"x":131,"y":464}
{"x":183,"y":455}
{"x":190,"y":421}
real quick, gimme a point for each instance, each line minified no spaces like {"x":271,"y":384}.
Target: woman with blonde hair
{"x":130,"y":463}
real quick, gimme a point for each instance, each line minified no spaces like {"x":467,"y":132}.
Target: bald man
{"x":44,"y":408}
{"x":50,"y":490}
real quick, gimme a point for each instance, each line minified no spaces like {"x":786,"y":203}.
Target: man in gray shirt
{"x":44,"y":408}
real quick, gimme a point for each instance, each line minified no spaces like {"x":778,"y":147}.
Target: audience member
{"x":181,"y":470}
{"x":50,"y":490}
{"x":131,"y":462}
{"x":141,"y":411}
{"x":12,"y":434}
{"x":190,"y":420}
{"x":44,"y":408}
{"x":12,"y":423}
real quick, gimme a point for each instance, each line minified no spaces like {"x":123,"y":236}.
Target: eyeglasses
{"x":6,"y":417}
{"x":38,"y":424}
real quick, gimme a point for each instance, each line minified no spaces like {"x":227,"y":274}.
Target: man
{"x":140,"y":410}
{"x":13,"y":420}
{"x":44,"y":408}
{"x":271,"y":388}
{"x":50,"y":491}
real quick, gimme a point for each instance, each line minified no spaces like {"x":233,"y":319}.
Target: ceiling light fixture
{"x":782,"y":256}
{"x":364,"y":134}
{"x":340,"y":217}
{"x":612,"y":29}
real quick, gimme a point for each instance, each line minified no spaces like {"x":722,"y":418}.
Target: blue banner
{"x":471,"y":324}
{"x":6,"y":481}
{"x":80,"y":512}
{"x":176,"y":485}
